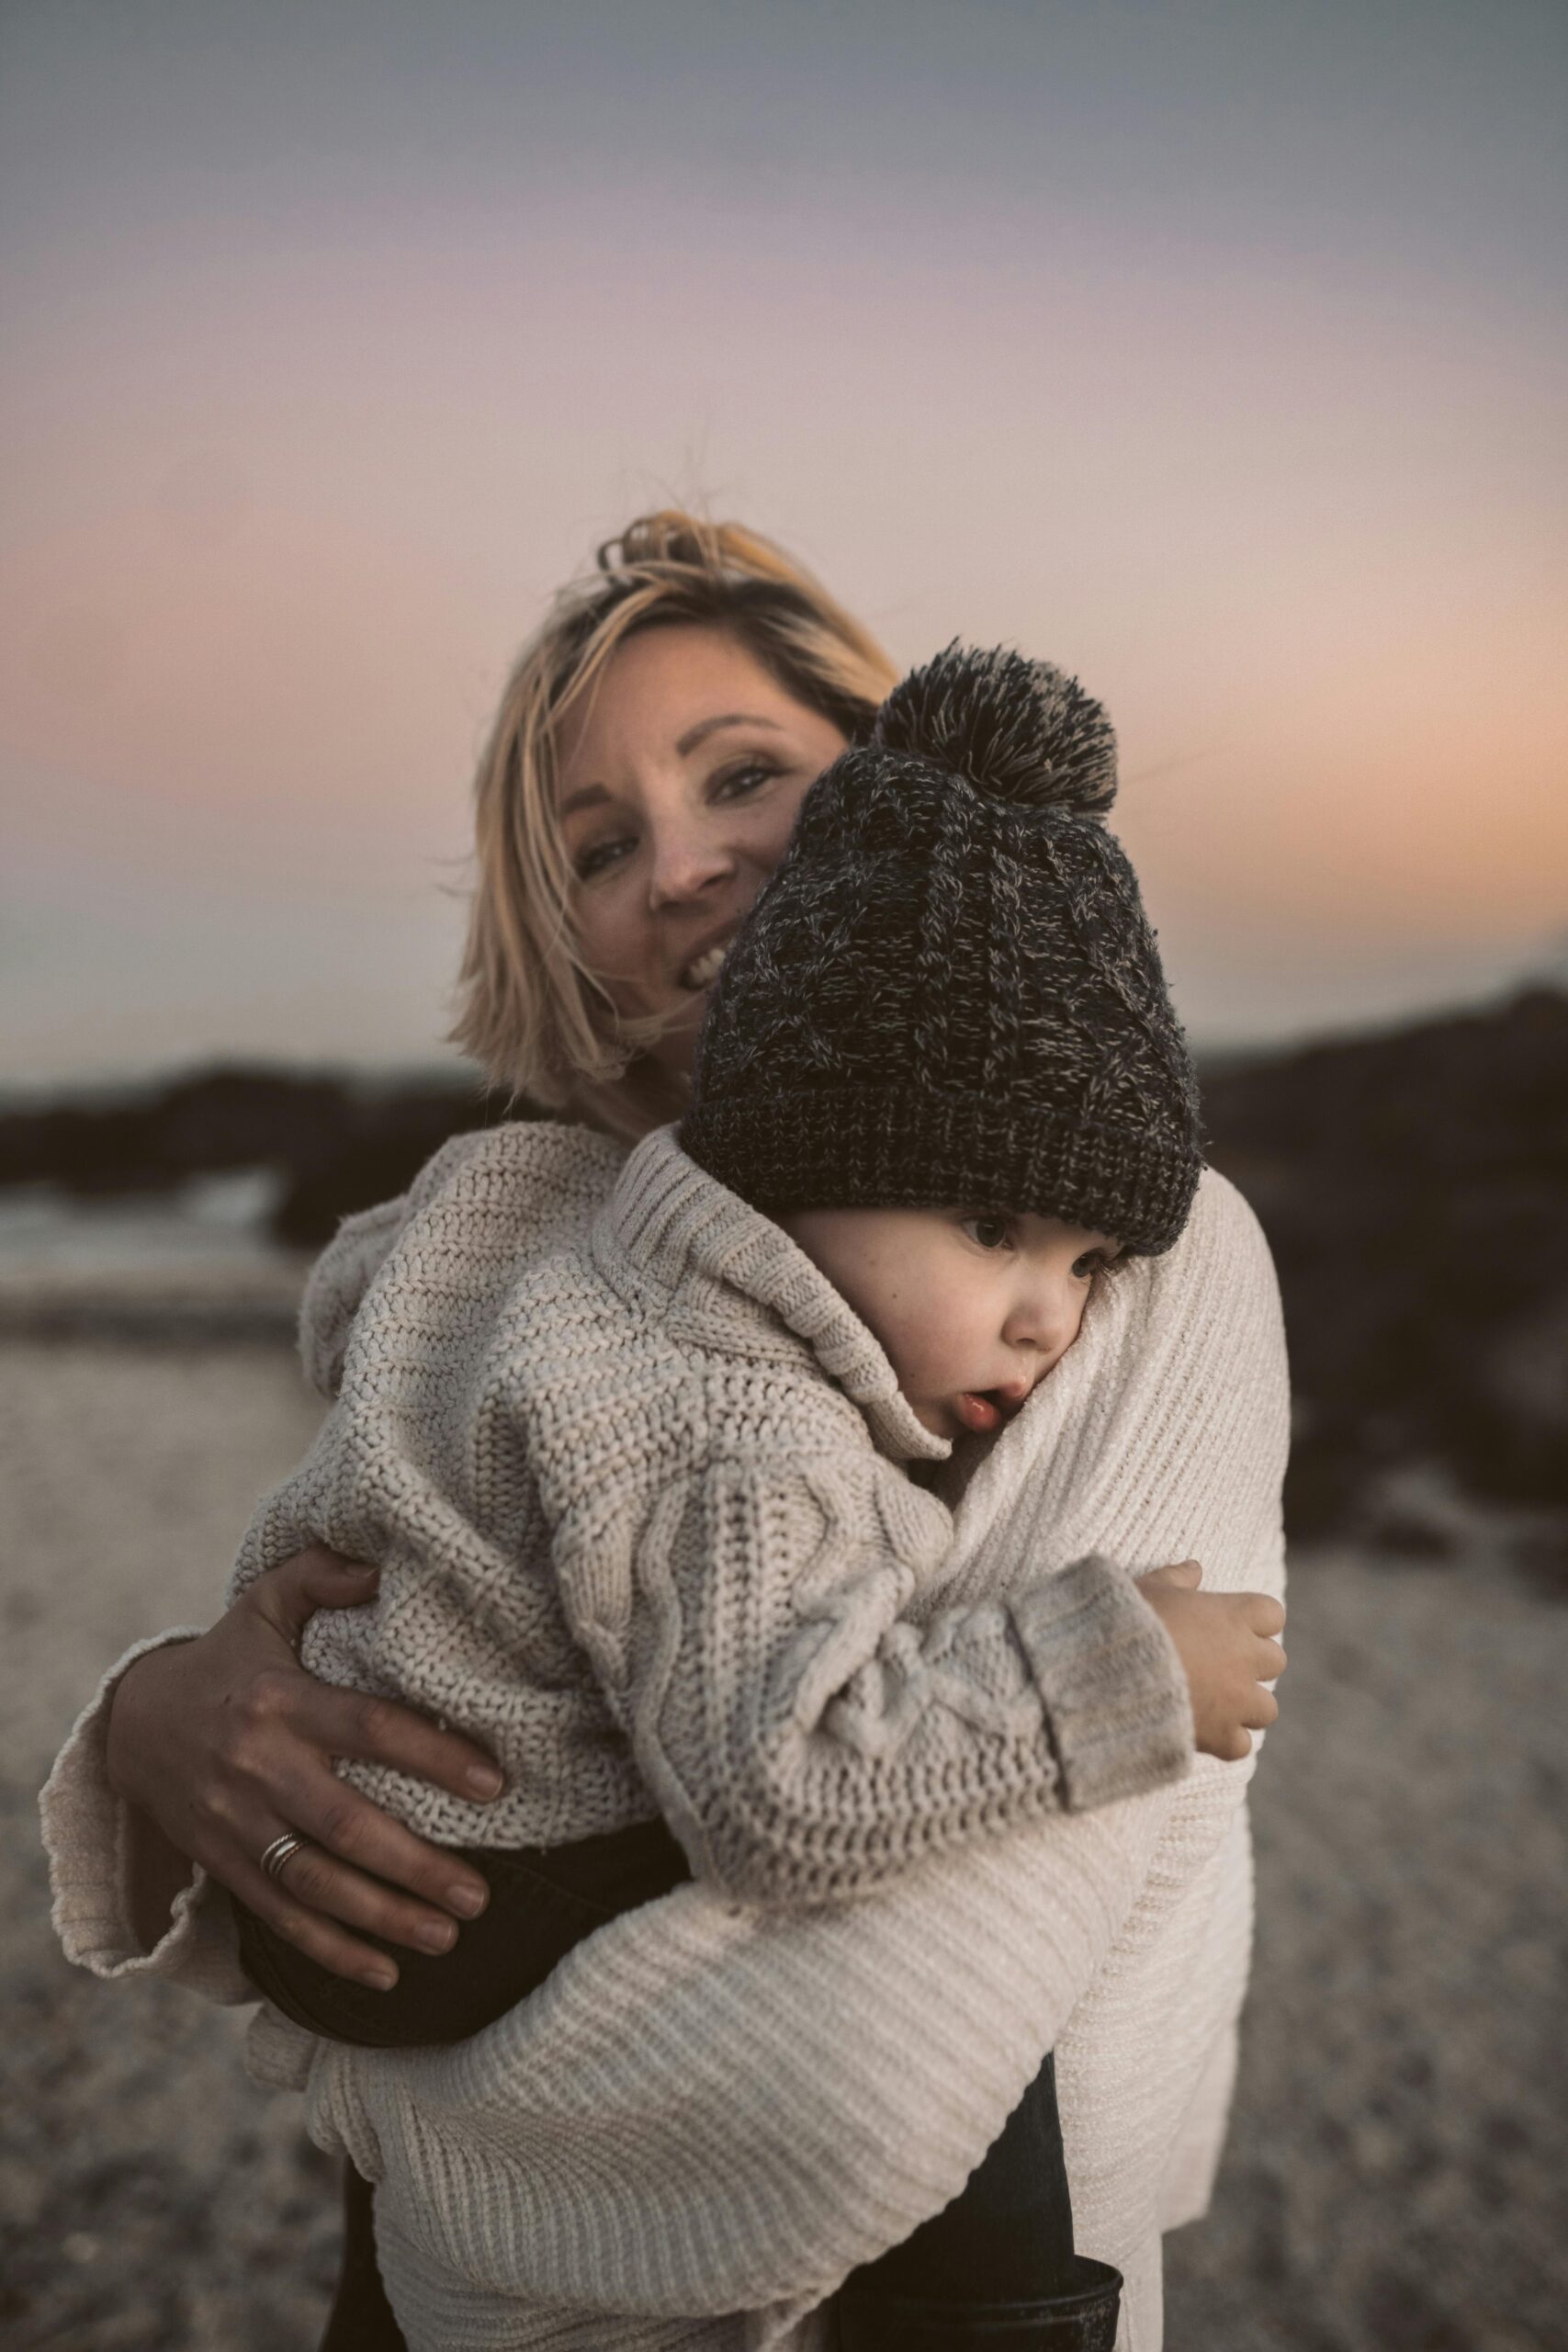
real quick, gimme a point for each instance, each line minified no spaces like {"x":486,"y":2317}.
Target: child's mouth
{"x":981,"y":1411}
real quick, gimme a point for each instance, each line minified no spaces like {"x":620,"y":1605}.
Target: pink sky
{"x":1229,"y":377}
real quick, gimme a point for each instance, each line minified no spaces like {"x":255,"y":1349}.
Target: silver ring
{"x":278,"y":1852}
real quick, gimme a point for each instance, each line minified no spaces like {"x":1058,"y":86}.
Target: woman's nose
{"x":687,"y":860}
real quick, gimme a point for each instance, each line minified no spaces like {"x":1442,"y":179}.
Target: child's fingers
{"x":1268,"y":1661}
{"x":1184,"y":1575}
{"x":1263,"y":1710}
{"x":1264,"y":1613}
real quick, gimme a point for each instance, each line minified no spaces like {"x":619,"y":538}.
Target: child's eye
{"x":991,"y":1232}
{"x":1092,"y":1262}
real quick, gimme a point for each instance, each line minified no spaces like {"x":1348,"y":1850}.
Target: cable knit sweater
{"x":712,"y":2113}
{"x":631,"y":1479}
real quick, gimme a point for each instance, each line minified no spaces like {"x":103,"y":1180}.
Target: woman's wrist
{"x":155,"y":1872}
{"x":137,"y":1704}
{"x":156,"y":1875}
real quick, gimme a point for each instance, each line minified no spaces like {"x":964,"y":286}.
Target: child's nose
{"x":1046,"y":1319}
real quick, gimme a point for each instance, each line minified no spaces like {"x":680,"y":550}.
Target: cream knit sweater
{"x":715,"y":2110}
{"x":630,"y":1471}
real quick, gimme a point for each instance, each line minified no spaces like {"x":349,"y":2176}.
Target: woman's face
{"x":679,"y":780}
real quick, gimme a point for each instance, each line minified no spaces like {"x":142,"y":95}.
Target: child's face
{"x":973,"y":1310}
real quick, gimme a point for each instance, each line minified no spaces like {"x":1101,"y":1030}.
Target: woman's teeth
{"x":704,"y":969}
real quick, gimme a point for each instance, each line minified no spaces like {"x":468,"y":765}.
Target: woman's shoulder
{"x":1224,"y":1239}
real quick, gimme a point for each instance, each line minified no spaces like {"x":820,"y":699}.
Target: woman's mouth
{"x":704,"y":969}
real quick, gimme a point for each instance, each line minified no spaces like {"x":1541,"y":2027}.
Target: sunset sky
{"x":1215,"y":349}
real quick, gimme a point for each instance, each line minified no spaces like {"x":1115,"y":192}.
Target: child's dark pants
{"x":995,"y":2269}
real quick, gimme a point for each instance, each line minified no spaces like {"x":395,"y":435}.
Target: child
{"x":633,"y":1471}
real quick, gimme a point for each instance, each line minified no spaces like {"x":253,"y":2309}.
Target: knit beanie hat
{"x":948,"y":994}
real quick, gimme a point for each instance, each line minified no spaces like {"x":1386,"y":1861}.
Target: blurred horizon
{"x":1215,"y":352}
{"x":393,"y":1073}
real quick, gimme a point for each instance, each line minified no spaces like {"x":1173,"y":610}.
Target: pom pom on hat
{"x":1017,"y":731}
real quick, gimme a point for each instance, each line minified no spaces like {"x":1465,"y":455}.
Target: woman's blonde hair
{"x":529,"y":1012}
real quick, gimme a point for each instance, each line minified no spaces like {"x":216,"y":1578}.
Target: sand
{"x":1401,"y":2127}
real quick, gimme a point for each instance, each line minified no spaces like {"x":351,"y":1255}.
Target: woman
{"x":643,"y":777}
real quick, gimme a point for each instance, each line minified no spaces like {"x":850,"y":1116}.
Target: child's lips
{"x":985,"y":1410}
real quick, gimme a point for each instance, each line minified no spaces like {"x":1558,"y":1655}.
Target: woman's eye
{"x":598,"y":857}
{"x":741,"y":782}
{"x":991,"y":1232}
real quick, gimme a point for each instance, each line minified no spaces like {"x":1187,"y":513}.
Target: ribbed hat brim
{"x":905,"y":1145}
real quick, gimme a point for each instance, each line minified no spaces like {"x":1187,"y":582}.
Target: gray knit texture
{"x":949,"y":994}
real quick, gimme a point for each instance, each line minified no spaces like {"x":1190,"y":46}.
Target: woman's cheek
{"x":775,"y":827}
{"x":615,"y":946}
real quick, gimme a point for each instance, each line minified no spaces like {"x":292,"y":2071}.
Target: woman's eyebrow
{"x":706,"y":726}
{"x":587,"y":796}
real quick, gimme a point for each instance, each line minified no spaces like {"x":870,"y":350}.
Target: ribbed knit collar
{"x":669,"y":1220}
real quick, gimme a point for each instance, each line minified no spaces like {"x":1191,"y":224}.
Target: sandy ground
{"x":1401,"y":2128}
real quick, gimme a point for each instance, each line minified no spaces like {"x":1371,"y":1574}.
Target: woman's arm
{"x":215,"y":1746}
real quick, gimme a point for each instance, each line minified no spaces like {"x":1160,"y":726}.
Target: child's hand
{"x":1225,"y":1642}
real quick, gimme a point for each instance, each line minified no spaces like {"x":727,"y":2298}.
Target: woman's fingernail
{"x":436,"y":1935}
{"x":381,"y":1977}
{"x":485,"y":1781}
{"x":469,"y":1901}
{"x":360,"y":1570}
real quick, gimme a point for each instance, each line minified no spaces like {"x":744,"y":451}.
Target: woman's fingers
{"x":316,"y":1894}
{"x":287,"y":1597}
{"x":377,"y":1864}
{"x":223,"y":1742}
{"x":314,"y":1880}
{"x":309,"y":1930}
{"x":380,"y":1731}
{"x":1269,"y":1662}
{"x":228,"y":1847}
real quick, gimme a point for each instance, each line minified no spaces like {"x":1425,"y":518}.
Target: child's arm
{"x":804,"y":1732}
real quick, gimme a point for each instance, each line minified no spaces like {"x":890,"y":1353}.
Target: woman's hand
{"x":1228,"y":1647}
{"x":223,"y":1743}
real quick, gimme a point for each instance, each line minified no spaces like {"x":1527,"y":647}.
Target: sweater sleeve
{"x":807,"y":1732}
{"x":89,"y":1839}
{"x":693,"y":2116}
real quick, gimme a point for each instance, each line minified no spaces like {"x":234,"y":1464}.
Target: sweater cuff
{"x":89,"y":1840}
{"x":1117,"y":1708}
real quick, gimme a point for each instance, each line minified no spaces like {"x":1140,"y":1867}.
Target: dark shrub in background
{"x":1414,"y":1187}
